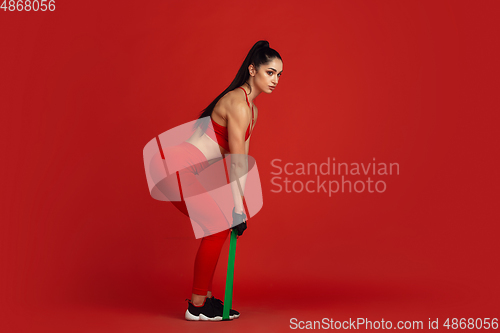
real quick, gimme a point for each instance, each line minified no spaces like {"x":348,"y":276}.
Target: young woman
{"x":233,"y":116}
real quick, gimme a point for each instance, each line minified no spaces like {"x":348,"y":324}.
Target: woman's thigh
{"x":186,"y":163}
{"x":202,"y":209}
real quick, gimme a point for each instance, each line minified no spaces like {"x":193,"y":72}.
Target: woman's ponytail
{"x":259,"y":54}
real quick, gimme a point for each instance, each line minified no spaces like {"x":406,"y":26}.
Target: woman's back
{"x":233,"y":100}
{"x":214,"y":142}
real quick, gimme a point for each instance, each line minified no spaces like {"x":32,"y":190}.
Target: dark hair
{"x":259,"y":54}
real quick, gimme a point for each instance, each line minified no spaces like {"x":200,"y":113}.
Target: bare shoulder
{"x":232,"y":105}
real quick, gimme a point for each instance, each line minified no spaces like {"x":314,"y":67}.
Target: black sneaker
{"x":220,"y":306}
{"x":207,"y":312}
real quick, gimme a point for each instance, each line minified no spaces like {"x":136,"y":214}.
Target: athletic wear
{"x":220,"y":305}
{"x":186,"y":158}
{"x":208,"y":311}
{"x":219,"y":132}
{"x":190,"y":161}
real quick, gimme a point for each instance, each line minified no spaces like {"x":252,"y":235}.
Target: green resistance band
{"x":228,"y":295}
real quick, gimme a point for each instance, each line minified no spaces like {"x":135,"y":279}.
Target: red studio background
{"x":85,"y":248}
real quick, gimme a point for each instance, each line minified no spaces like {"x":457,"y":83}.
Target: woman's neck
{"x":252,"y":95}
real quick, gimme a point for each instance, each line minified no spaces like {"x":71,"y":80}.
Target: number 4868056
{"x":28,"y":5}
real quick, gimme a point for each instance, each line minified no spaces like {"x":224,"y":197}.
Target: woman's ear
{"x":251,"y":70}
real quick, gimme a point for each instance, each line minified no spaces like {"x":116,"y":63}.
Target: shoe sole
{"x":205,"y":318}
{"x":190,"y":316}
{"x":201,"y":317}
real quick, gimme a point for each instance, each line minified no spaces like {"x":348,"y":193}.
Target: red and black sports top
{"x":219,"y":132}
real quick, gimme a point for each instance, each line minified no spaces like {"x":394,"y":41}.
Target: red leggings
{"x":189,"y":160}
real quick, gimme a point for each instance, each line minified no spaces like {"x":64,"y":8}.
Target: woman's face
{"x":267,"y":77}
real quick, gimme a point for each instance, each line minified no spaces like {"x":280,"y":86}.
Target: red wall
{"x":84,"y":88}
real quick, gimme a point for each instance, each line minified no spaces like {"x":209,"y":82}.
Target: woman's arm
{"x":237,"y":124}
{"x":247,"y":143}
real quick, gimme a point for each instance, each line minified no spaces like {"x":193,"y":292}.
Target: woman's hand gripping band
{"x":241,"y":219}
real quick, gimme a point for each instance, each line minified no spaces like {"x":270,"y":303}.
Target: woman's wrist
{"x":238,"y":208}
